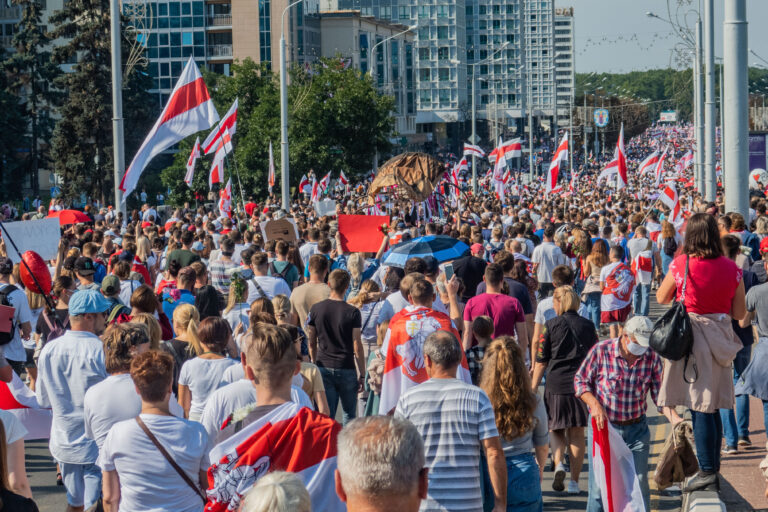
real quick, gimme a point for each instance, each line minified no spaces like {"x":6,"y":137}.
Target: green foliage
{"x":31,"y":74}
{"x":336,"y":121}
{"x":12,"y":124}
{"x":82,"y":139}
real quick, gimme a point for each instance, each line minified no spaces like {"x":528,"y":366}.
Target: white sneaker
{"x":573,"y":487}
{"x":557,"y":483}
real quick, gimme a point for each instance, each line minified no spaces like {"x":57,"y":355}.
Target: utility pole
{"x":585,"y":130}
{"x":709,"y":111}
{"x":118,"y":142}
{"x":474,"y":141}
{"x":722,"y":127}
{"x":530,"y":131}
{"x":698,"y":105}
{"x":736,"y":115}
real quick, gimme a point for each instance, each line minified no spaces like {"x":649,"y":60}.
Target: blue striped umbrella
{"x":443,"y":248}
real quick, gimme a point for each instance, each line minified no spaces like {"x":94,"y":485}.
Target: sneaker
{"x":558,"y":484}
{"x":701,"y":481}
{"x":573,"y":487}
{"x":744,"y":441}
{"x":730,"y":450}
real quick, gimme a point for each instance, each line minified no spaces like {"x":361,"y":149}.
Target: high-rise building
{"x":565,"y":65}
{"x":10,"y":16}
{"x":539,"y":58}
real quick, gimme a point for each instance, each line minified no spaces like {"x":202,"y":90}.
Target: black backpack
{"x":282,"y":275}
{"x":7,"y":337}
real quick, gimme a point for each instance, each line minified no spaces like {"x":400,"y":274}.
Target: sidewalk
{"x":742,"y":484}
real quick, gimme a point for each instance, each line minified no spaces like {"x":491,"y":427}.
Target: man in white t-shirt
{"x":545,"y":258}
{"x":22,"y":317}
{"x":263,"y":285}
{"x":309,"y":248}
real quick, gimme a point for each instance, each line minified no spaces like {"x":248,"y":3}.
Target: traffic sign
{"x":601,"y":117}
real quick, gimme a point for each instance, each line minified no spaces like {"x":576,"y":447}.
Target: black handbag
{"x":672,"y":335}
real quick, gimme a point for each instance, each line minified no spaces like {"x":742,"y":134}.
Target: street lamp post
{"x":118,"y":143}
{"x":284,"y":111}
{"x":709,"y":111}
{"x":736,"y":120}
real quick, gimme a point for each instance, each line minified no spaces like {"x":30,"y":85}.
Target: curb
{"x":702,"y":501}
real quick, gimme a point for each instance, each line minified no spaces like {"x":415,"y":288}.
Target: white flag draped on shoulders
{"x":19,"y":400}
{"x":614,"y":470}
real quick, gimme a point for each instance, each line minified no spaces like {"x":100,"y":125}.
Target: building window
{"x":482,"y":9}
{"x":442,"y":32}
{"x":425,"y":98}
{"x":443,"y":53}
{"x":403,"y":12}
{"x":443,"y":74}
{"x":424,"y":75}
{"x":469,"y":10}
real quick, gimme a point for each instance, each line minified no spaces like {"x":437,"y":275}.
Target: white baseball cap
{"x":641,"y":328}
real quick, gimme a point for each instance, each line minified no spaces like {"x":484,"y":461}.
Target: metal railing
{"x":220,"y":50}
{"x":220,"y":20}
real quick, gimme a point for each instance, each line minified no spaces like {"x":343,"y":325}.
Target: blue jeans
{"x":523,"y":484}
{"x":641,"y":298}
{"x":737,"y":425}
{"x":638,"y":439}
{"x":593,"y":308}
{"x":82,"y":483}
{"x":708,"y":435}
{"x":340,"y":384}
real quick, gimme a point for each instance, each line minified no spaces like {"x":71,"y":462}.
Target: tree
{"x":82,"y":139}
{"x":31,"y":73}
{"x":12,"y":123}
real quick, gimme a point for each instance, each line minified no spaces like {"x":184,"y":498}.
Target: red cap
{"x":191,"y":228}
{"x":764,"y":245}
{"x":266,"y":209}
{"x":476,"y":248}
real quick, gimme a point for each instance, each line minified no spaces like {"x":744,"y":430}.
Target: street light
{"x":474,"y":105}
{"x":284,"y":111}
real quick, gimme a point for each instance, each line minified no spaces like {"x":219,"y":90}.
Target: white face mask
{"x":636,"y":349}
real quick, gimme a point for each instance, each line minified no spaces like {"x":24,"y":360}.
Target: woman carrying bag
{"x":703,"y":382}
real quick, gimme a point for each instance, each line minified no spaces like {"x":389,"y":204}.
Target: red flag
{"x":289,"y":438}
{"x":191,"y":161}
{"x":228,"y":122}
{"x":554,"y":166}
{"x":189,"y":110}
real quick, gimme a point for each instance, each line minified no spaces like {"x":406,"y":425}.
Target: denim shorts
{"x":82,"y":482}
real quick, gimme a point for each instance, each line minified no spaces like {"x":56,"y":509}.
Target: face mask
{"x":636,"y":349}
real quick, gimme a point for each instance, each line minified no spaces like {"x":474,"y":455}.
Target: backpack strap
{"x":259,"y":288}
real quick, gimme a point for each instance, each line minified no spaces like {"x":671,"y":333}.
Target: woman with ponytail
{"x":522,"y":423}
{"x":186,"y":345}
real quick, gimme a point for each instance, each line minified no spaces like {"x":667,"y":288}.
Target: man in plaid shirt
{"x":614,"y":381}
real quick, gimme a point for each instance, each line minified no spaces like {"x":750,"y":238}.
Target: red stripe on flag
{"x":188,"y":96}
{"x":7,"y":400}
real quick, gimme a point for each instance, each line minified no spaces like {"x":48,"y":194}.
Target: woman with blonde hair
{"x":278,"y":491}
{"x":186,"y":345}
{"x":153,"y":328}
{"x":521,"y":420}
{"x":597,"y":259}
{"x":566,"y":341}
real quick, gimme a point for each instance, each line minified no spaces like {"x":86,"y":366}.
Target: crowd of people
{"x":191,"y":363}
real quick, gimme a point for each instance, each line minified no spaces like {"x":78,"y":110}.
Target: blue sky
{"x":616,"y":35}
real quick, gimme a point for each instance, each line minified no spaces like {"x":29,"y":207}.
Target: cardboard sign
{"x":325,"y":207}
{"x":361,"y":233}
{"x":281,"y":229}
{"x":41,"y":236}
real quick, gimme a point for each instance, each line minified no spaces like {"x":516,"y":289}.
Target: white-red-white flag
{"x":512,"y":148}
{"x":225,"y":200}
{"x":315,"y":191}
{"x":685,"y":161}
{"x":223,"y":147}
{"x":554,"y":167}
{"x":228,"y":122}
{"x":660,"y":167}
{"x":473,"y":150}
{"x":572,"y":185}
{"x":343,"y":179}
{"x":288,"y":438}
{"x":19,"y":400}
{"x":271,"y":179}
{"x":325,"y":182}
{"x":614,"y":469}
{"x":621,"y":161}
{"x":648,"y":164}
{"x":670,"y":198}
{"x":189,"y":110}
{"x":191,"y":161}
{"x":304,"y":185}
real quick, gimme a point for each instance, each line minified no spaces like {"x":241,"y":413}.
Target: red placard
{"x":361,"y":233}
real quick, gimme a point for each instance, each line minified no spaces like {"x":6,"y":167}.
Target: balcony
{"x":6,"y":41}
{"x":220,"y":51}
{"x":220,"y":20}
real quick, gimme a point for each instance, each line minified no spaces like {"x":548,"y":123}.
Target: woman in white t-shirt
{"x":14,"y":439}
{"x":137,"y":476}
{"x":115,"y":398}
{"x":202,"y":375}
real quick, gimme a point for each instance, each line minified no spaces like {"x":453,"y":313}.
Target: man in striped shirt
{"x":455,"y":419}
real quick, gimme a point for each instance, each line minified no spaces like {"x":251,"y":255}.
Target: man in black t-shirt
{"x":335,"y":346}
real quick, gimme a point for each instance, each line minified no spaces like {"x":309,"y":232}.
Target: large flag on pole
{"x":191,"y":161}
{"x":325,"y":182}
{"x":660,"y":168}
{"x":473,"y":150}
{"x":554,"y":167}
{"x":271,"y":168}
{"x":621,"y":164}
{"x":19,"y":400}
{"x":614,"y":470}
{"x":189,"y":110}
{"x":228,"y":122}
{"x":611,"y":168}
{"x":670,"y":198}
{"x":223,"y":147}
{"x":304,"y":185}
{"x":648,"y":164}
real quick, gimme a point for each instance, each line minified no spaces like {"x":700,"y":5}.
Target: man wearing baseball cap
{"x":614,"y":381}
{"x":85,"y":271}
{"x":67,"y":368}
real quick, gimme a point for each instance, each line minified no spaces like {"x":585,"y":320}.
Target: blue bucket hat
{"x":88,"y":301}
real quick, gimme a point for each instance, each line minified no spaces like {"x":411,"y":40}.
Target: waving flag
{"x":19,"y":400}
{"x":325,"y":182}
{"x":648,"y":164}
{"x":685,"y":161}
{"x":572,"y":185}
{"x":554,"y":167}
{"x":289,"y":438}
{"x":304,"y":185}
{"x":660,"y":168}
{"x":472,"y":150}
{"x":621,"y":161}
{"x":271,"y":179}
{"x":191,"y":161}
{"x":315,"y":191}
{"x":343,"y":179}
{"x":228,"y":122}
{"x":223,"y":147}
{"x":403,"y":349}
{"x":225,"y":200}
{"x":512,"y":148}
{"x":189,"y":110}
{"x":610,"y":169}
{"x":615,"y":471}
{"x":670,"y":198}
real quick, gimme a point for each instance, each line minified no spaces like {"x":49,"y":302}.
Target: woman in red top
{"x":714,"y":293}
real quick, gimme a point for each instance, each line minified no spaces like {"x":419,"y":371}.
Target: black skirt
{"x":565,"y":411}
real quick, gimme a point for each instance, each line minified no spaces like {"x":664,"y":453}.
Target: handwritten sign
{"x":280,"y":229}
{"x":41,"y":236}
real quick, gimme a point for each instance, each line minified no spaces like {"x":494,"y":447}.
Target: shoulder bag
{"x":672,"y":336}
{"x":170,"y":460}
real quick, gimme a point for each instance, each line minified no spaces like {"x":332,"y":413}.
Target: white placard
{"x":325,"y":207}
{"x":41,"y":236}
